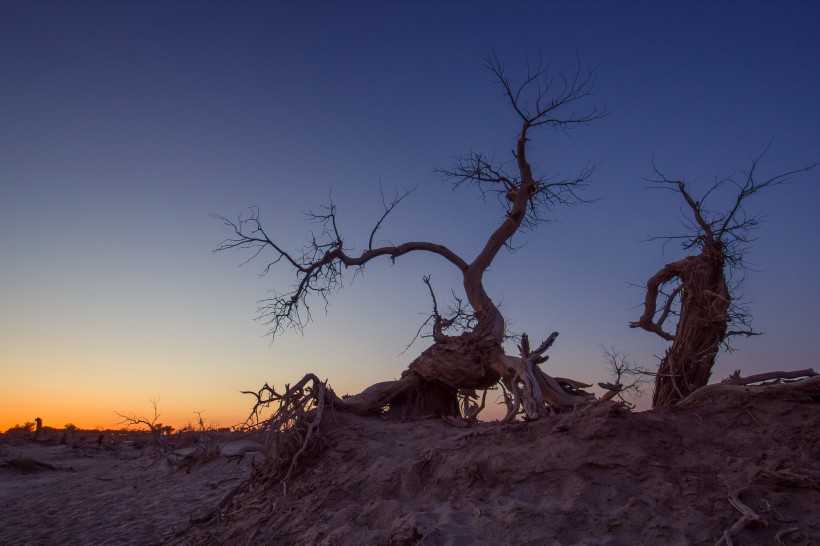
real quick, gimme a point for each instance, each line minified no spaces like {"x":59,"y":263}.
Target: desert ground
{"x":741,"y":469}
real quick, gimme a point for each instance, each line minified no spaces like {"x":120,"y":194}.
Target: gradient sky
{"x":124,"y":125}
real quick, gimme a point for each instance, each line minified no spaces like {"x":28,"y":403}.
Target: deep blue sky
{"x":124,"y":125}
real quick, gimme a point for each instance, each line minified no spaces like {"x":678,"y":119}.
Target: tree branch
{"x":668,"y":273}
{"x":320,"y":264}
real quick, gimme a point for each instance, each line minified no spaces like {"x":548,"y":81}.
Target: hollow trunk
{"x":702,"y":326}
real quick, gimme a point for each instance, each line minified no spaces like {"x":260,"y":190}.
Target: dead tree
{"x":628,"y":377}
{"x":152,"y":423}
{"x":699,"y":289}
{"x":467,"y":350}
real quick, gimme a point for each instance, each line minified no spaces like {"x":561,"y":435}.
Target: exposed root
{"x":291,"y":431}
{"x":777,"y":377}
{"x":800,"y":390}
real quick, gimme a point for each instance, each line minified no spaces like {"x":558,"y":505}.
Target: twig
{"x":747,"y":516}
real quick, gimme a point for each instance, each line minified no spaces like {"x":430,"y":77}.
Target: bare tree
{"x":467,"y":348}
{"x":152,"y":423}
{"x":700,"y":290}
{"x":627,"y":376}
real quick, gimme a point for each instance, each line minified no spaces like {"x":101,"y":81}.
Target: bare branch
{"x":539,"y":103}
{"x":561,"y":103}
{"x":319,"y":266}
{"x":731,"y":228}
{"x":388,"y":208}
{"x":549,"y":106}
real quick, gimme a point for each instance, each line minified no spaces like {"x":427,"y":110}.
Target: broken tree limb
{"x":557,"y":397}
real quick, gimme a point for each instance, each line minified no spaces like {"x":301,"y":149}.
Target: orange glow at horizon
{"x":89,"y":417}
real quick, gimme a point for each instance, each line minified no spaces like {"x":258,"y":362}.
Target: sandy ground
{"x":117,"y":492}
{"x":592,"y":477}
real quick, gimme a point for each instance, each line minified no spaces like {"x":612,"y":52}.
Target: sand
{"x":597,"y":476}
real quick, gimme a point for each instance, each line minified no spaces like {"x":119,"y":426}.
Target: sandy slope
{"x":592,"y":477}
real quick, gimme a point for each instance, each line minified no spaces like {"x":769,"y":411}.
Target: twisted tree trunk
{"x":705,"y":300}
{"x":704,"y":317}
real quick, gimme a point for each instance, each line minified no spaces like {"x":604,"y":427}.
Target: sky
{"x":125,"y":125}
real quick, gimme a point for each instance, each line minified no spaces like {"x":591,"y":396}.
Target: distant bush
{"x":28,"y":426}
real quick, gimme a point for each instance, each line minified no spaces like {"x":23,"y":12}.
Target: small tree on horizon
{"x":152,"y":423}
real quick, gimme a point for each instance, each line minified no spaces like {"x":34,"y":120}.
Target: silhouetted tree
{"x":697,"y":289}
{"x":152,"y":423}
{"x":467,"y":348}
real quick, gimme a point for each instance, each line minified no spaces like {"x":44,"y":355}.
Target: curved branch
{"x":668,"y":273}
{"x":319,"y":265}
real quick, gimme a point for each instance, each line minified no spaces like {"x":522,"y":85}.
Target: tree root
{"x":290,"y":431}
{"x":807,"y":389}
{"x":736,"y":379}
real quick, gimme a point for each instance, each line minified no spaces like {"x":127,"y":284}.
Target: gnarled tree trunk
{"x":704,"y":316}
{"x":705,"y":307}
